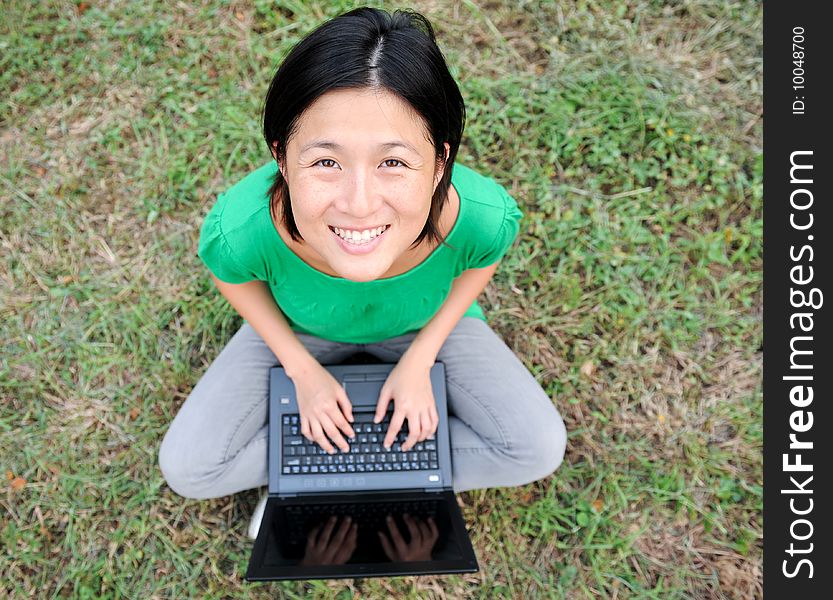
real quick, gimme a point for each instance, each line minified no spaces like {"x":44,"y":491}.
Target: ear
{"x":441,"y":166}
{"x":281,"y":166}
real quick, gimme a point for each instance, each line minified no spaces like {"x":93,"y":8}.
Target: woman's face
{"x":360,"y":161}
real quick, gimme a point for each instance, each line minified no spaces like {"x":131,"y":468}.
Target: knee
{"x":177,"y":473}
{"x":544,"y":445}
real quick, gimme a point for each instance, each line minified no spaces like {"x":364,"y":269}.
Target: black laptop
{"x":368,"y":512}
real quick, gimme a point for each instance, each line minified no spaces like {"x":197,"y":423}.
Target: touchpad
{"x":363,"y":393}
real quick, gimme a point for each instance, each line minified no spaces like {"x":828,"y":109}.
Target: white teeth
{"x":356,"y":236}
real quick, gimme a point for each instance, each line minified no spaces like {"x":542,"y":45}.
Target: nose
{"x":359,"y":200}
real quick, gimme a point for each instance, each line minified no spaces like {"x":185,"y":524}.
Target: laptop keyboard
{"x":367,"y":454}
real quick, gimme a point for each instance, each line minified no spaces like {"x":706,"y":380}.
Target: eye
{"x":396,"y":160}
{"x":325,"y":160}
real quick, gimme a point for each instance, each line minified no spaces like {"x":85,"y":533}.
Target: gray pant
{"x":504,"y":429}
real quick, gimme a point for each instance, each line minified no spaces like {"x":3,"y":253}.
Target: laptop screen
{"x":364,"y":535}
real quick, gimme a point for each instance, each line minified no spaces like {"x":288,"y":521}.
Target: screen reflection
{"x":337,"y":533}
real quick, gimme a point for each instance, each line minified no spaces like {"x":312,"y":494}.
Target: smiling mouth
{"x":360,"y":241}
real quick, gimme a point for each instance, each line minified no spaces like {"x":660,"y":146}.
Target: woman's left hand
{"x":409,"y":383}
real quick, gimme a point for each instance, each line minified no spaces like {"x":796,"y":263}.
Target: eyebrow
{"x":333,"y":146}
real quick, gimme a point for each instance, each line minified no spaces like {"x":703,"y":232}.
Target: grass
{"x":628,"y":130}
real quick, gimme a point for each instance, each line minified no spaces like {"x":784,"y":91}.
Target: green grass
{"x":629,"y":131}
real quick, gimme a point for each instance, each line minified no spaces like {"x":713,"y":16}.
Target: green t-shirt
{"x":239,"y":243}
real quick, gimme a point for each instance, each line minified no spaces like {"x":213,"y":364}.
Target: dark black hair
{"x":367,"y":48}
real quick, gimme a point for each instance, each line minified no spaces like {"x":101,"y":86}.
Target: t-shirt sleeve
{"x":216,"y":251}
{"x":507,"y":232}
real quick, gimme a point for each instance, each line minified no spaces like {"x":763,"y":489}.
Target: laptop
{"x":369,"y":512}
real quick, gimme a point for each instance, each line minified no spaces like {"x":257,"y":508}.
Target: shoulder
{"x":477,"y":187}
{"x":491,"y":217}
{"x":246,"y":200}
{"x":236,"y":237}
{"x":488,"y":204}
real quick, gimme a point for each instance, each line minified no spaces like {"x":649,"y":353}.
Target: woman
{"x":338,"y":246}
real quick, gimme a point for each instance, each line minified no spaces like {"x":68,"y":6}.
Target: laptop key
{"x":434,"y":465}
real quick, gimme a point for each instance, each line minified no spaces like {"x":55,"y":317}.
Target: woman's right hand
{"x":324,"y":406}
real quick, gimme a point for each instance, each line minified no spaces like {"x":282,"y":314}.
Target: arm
{"x":323,"y":404}
{"x":464,"y":291}
{"x":409,"y":382}
{"x":254,"y":302}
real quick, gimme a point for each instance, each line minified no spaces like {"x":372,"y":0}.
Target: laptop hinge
{"x":352,"y":492}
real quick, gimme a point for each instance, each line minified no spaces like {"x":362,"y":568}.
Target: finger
{"x":424,"y":530}
{"x":344,"y":403}
{"x":340,"y":422}
{"x":435,"y":420}
{"x":305,"y":429}
{"x":395,"y":425}
{"x":312,"y":538}
{"x":342,"y":532}
{"x":321,"y":439}
{"x":425,"y":422}
{"x":333,"y":433}
{"x":386,"y":546}
{"x":327,"y":532}
{"x":413,"y":530}
{"x":414,"y":431}
{"x":352,"y":537}
{"x":435,"y":533}
{"x":347,"y":548}
{"x":398,"y":542}
{"x":382,"y":406}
